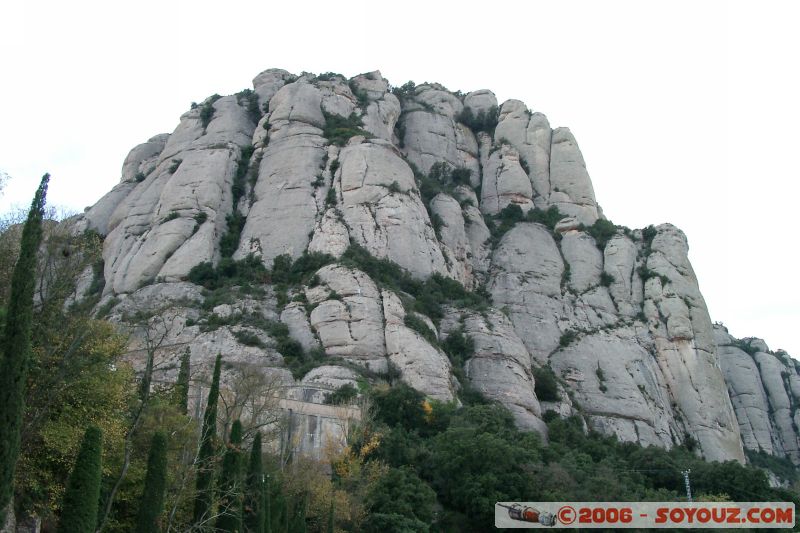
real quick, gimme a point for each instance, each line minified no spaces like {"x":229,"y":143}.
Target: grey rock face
{"x":620,"y":262}
{"x":763,"y":390}
{"x":505,"y":182}
{"x":584,"y":259}
{"x":295,"y":318}
{"x":570,"y":187}
{"x":382,"y":208}
{"x":526,"y":279}
{"x":530,"y":134}
{"x":432,"y":135}
{"x":681,"y":328}
{"x":621,"y":386}
{"x":284,"y":209}
{"x":154,"y":233}
{"x":422,"y":366}
{"x":267,"y":83}
{"x":348,"y":316}
{"x":143,"y":158}
{"x":625,"y":328}
{"x":480,"y":101}
{"x":501,"y":366}
{"x":455,"y":243}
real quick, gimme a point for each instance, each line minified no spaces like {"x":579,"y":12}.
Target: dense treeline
{"x":474,"y":456}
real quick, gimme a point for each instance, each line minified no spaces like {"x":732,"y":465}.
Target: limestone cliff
{"x":765,"y":390}
{"x":449,"y":187}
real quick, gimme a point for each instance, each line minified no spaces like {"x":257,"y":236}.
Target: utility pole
{"x":688,"y":485}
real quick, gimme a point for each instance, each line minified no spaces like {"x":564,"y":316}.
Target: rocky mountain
{"x":326,"y":231}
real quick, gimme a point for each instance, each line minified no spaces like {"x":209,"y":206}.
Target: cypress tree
{"x":152,"y":503}
{"x":267,"y":506}
{"x":330,"y":516}
{"x":82,"y":497}
{"x":182,"y":385}
{"x":15,"y":346}
{"x":204,"y":497}
{"x":254,"y":495}
{"x":286,"y":515}
{"x":300,"y":518}
{"x":230,"y":484}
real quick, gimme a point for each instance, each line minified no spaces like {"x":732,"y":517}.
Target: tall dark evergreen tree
{"x":82,"y":497}
{"x":204,"y":496}
{"x":152,"y":503}
{"x":254,"y":490}
{"x":230,"y":484}
{"x":182,"y":385}
{"x":15,"y":346}
{"x":299,"y":525}
{"x":330,"y":517}
{"x":267,"y":506}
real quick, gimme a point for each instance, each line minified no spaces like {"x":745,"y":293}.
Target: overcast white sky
{"x":686,"y":112}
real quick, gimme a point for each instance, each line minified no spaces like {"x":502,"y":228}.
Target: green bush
{"x":343,"y":395}
{"x":249,"y":100}
{"x":503,"y":221}
{"x":174,"y":166}
{"x":334,"y":166}
{"x":483,"y":121}
{"x":229,"y":272}
{"x":648,"y":234}
{"x":645,"y":273}
{"x":746,"y":346}
{"x":602,"y":231}
{"x":567,"y":338}
{"x":400,"y":492}
{"x":510,"y":215}
{"x":139,"y":177}
{"x":339,"y":129}
{"x":295,"y":357}
{"x":430,"y":295}
{"x":360,"y":94}
{"x":781,"y":466}
{"x":284,"y":270}
{"x":548,"y":217}
{"x":437,"y":223}
{"x":428,"y":188}
{"x":606,"y":279}
{"x":412,"y":321}
{"x":405,"y":92}
{"x":207,"y":110}
{"x":248,"y":338}
{"x":330,"y":198}
{"x":401,"y":406}
{"x":329,"y":76}
{"x":461,"y":176}
{"x":545,"y":384}
{"x":459,"y":349}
